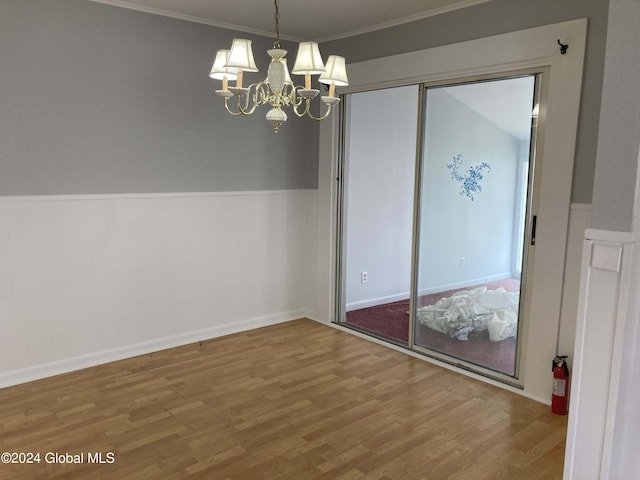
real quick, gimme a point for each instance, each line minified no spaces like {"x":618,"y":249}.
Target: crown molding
{"x":264,"y":33}
{"x":194,"y":19}
{"x":403,"y":20}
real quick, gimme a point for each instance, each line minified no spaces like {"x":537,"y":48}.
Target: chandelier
{"x":277,"y":90}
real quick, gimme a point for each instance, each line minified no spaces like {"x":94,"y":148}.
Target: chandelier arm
{"x":321,"y":117}
{"x":298,"y":101}
{"x":288,"y":95}
{"x":235,"y":114}
{"x":307,"y":109}
{"x":247,"y":111}
{"x":242,"y":110}
{"x":251,"y":100}
{"x":262,"y":91}
{"x":304,"y":112}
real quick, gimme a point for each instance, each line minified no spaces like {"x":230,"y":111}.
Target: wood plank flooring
{"x":295,"y":401}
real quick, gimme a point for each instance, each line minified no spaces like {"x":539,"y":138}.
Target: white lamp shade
{"x":336,"y":73}
{"x":218,"y":71}
{"x":241,"y":56}
{"x":308,"y":60}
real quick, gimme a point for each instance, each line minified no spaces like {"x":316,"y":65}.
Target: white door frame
{"x":536,"y":47}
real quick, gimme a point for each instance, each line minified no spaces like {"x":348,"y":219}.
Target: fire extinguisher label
{"x":558,"y":386}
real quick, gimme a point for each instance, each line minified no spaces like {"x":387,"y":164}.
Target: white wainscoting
{"x":608,"y":284}
{"x":88,"y":279}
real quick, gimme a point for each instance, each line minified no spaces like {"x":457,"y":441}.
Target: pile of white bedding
{"x":474,"y":310}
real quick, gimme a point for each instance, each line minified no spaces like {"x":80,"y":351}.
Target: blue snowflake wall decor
{"x":471,"y":178}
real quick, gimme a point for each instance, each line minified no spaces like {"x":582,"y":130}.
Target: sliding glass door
{"x":475,"y":176}
{"x":379,"y":178}
{"x":436,"y":218}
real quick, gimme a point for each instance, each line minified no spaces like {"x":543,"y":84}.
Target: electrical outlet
{"x":462,"y":262}
{"x":364,"y":277}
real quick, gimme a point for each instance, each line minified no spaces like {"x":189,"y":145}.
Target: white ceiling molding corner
{"x":301,"y":19}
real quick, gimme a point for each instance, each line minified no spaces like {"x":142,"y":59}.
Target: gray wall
{"x":493,"y":18}
{"x":100,"y":99}
{"x":615,"y":180}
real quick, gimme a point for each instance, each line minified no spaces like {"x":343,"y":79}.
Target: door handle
{"x":534,"y":223}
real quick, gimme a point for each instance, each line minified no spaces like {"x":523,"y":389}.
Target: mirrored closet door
{"x":437,"y":218}
{"x":377,"y":207}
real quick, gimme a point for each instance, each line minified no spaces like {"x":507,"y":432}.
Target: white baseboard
{"x":67,"y":365}
{"x":312,"y":314}
{"x":466,"y":283}
{"x":372,"y":302}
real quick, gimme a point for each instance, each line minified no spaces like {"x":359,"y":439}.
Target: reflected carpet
{"x":391,"y":320}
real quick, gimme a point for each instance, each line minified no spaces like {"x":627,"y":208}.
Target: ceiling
{"x":507,"y":103}
{"x":299,"y":19}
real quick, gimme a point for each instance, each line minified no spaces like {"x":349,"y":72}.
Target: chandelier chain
{"x":276,"y":16}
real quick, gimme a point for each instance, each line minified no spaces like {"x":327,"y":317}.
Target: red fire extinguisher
{"x":560,"y":393}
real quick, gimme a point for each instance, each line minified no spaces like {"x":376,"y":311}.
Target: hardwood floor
{"x":295,"y":401}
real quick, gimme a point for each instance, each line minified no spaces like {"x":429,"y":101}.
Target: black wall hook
{"x":563,"y":48}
